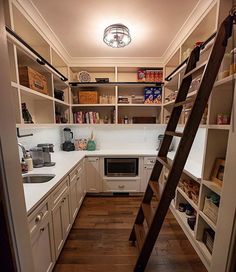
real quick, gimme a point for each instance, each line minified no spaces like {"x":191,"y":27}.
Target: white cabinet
{"x":93,"y":181}
{"x":42,"y":239}
{"x":77,"y":189}
{"x":147,"y":171}
{"x":61,"y":215}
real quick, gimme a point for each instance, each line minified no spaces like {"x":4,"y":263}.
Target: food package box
{"x":141,"y":74}
{"x":32,"y":79}
{"x":148,"y":95}
{"x":88,"y":97}
{"x":157,"y":95}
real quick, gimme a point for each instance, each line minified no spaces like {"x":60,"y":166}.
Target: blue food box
{"x":157,"y":95}
{"x":148,"y":95}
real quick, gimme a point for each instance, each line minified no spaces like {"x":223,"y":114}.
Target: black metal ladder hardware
{"x":154,"y":218}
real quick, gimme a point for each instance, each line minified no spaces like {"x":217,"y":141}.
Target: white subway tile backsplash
{"x":143,"y":137}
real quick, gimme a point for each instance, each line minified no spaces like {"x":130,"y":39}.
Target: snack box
{"x":148,"y":95}
{"x":157,"y":95}
{"x":141,"y":74}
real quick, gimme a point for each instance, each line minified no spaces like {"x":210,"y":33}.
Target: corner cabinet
{"x":93,"y":181}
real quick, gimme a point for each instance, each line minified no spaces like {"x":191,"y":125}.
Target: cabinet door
{"x":58,"y":227}
{"x":73,"y":200}
{"x":92,"y":175}
{"x":42,"y":248}
{"x":66,"y":215}
{"x":79,"y":189}
{"x":146,"y":176}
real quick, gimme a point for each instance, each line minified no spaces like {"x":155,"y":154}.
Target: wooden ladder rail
{"x":147,"y":242}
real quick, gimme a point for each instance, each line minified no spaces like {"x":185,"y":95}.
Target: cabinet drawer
{"x":149,"y":160}
{"x":60,"y":190}
{"x":37,"y":217}
{"x":76,"y":172}
{"x":121,"y":185}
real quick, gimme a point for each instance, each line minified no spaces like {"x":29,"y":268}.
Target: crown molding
{"x":118,"y":61}
{"x":195,"y":17}
{"x":29,"y":10}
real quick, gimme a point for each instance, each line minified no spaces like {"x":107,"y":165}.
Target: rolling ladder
{"x":154,"y":218}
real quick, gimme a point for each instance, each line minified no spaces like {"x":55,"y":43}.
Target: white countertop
{"x":65,"y":161}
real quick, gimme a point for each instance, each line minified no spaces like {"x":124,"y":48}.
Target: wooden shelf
{"x":190,"y":201}
{"x":226,"y":82}
{"x":62,"y":103}
{"x":138,"y":105}
{"x":212,"y":186}
{"x":207,"y":220}
{"x":76,"y":84}
{"x":93,"y":105}
{"x":35,"y":94}
{"x":222,"y":127}
{"x":182,"y":220}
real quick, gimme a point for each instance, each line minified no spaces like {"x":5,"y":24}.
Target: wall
{"x":106,"y":137}
{"x":112,"y":137}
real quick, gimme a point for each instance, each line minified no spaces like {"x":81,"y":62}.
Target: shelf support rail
{"x":15,"y":38}
{"x":202,"y":47}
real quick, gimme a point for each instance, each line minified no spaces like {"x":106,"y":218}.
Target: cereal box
{"x":157,"y":94}
{"x":148,"y":95}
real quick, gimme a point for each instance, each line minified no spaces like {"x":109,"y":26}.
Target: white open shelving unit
{"x":44,"y":107}
{"x":216,"y":135}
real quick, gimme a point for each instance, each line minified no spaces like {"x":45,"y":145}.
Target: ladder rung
{"x":182,"y":103}
{"x":148,"y":213}
{"x":154,"y":187}
{"x":140,"y":235}
{"x":164,"y":161}
{"x":174,"y":133}
{"x":196,"y":70}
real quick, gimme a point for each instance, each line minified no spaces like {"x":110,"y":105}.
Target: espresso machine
{"x":68,"y":136}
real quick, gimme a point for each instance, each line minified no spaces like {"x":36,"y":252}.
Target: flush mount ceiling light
{"x":117,"y":36}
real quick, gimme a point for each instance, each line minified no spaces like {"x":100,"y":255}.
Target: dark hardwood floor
{"x":98,"y":241}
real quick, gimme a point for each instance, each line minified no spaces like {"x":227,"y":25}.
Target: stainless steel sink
{"x":34,"y":178}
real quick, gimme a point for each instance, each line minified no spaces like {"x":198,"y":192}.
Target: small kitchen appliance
{"x":68,"y":136}
{"x":37,"y":157}
{"x":47,"y":149}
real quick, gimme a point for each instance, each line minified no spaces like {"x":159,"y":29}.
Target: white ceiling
{"x":79,"y":24}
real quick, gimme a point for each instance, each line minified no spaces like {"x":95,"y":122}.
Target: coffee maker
{"x":68,"y":136}
{"x":47,"y":149}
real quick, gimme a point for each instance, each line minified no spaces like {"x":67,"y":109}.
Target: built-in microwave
{"x":121,"y":167}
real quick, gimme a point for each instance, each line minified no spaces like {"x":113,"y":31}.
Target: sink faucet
{"x":23,"y":150}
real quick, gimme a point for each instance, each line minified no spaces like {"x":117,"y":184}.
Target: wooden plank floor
{"x":98,"y":241}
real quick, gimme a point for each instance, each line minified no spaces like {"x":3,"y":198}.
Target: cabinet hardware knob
{"x":42,"y":230}
{"x":38,"y":217}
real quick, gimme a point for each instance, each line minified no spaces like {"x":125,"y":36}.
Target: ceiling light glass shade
{"x":117,"y":36}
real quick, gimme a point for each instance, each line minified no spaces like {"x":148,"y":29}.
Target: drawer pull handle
{"x":121,"y":186}
{"x":152,"y":161}
{"x":38,"y":218}
{"x":42,"y":230}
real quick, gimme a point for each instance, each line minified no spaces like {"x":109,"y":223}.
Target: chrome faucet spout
{"x":23,"y":150}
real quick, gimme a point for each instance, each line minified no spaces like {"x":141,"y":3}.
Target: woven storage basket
{"x":211,"y":210}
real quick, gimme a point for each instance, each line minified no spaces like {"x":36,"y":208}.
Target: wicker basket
{"x":211,"y":210}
